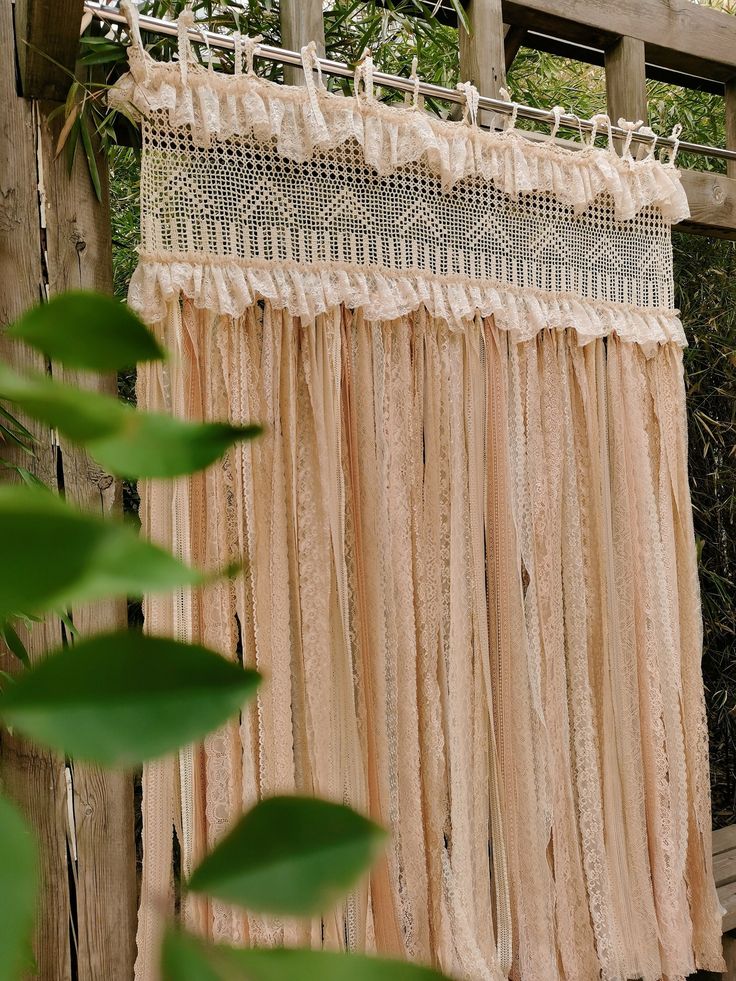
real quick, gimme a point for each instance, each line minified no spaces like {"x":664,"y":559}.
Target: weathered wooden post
{"x":482,"y":50}
{"x":301,"y":22}
{"x":626,"y":84}
{"x":55,"y":235}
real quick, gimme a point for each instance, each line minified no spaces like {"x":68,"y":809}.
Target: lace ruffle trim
{"x":228,"y":287}
{"x":305,"y":120}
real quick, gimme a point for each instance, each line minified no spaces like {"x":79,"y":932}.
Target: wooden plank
{"x":596,"y":56}
{"x":482,"y":50}
{"x":727,"y":898}
{"x":729,"y":955}
{"x":730,"y":97}
{"x":677,"y":34}
{"x":724,"y":839}
{"x":33,"y":778}
{"x":712,"y":199}
{"x":626,"y":88}
{"x":301,"y":22}
{"x":79,"y":256}
{"x":724,"y":868}
{"x":47,"y":45}
{"x":514,"y":38}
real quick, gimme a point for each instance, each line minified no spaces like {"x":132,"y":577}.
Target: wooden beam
{"x":513,"y":40}
{"x":482,"y":50}
{"x":301,"y":22}
{"x":47,"y":46}
{"x":626,"y":87}
{"x":677,"y":34}
{"x":712,"y":200}
{"x":730,"y":97}
{"x":626,"y":83}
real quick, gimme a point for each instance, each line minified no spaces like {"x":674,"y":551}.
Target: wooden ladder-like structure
{"x":54,"y":235}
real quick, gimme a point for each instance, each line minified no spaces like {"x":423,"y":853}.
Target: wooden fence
{"x":54,"y":235}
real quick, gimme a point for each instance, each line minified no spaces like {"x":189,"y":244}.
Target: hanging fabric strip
{"x":470,"y":574}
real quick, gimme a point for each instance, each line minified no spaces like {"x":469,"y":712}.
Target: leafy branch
{"x":122,"y":698}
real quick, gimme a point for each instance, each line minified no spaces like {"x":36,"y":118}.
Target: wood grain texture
{"x":729,"y":954}
{"x":677,"y":34}
{"x":80,"y":257}
{"x":724,"y":839}
{"x":47,"y":43}
{"x":482,"y":50}
{"x":712,"y":200}
{"x":33,"y":778}
{"x":730,"y":104}
{"x":86,"y":931}
{"x":514,"y":38}
{"x":301,"y":22}
{"x":626,"y":88}
{"x":724,"y":868}
{"x":727,"y":898}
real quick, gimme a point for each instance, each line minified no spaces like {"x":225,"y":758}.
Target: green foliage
{"x":62,"y":556}
{"x":87,"y":330}
{"x":123,"y":698}
{"x":123,"y":441}
{"x":290,"y":855}
{"x":18,"y":888}
{"x":705,"y":277}
{"x":188,"y":959}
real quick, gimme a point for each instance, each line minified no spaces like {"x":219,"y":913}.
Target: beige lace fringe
{"x":471,"y":581}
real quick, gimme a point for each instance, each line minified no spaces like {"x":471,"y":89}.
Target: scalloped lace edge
{"x":228,"y":287}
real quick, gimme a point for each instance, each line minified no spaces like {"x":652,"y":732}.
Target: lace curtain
{"x":470,"y":574}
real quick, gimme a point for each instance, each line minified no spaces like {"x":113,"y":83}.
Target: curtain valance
{"x":311,"y":199}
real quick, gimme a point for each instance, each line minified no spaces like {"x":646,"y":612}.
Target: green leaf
{"x":18,"y":886}
{"x":290,"y":855}
{"x":185,"y":958}
{"x":88,"y":330}
{"x":122,"y":698}
{"x":123,"y":440}
{"x":155,"y":445}
{"x":56,"y":556}
{"x":13,"y":642}
{"x":89,"y":153}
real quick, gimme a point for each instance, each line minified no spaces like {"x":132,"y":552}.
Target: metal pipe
{"x":283,"y":56}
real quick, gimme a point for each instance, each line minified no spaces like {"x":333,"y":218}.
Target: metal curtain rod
{"x":284,"y":56}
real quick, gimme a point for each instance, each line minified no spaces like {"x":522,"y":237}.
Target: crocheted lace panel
{"x":252,"y":190}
